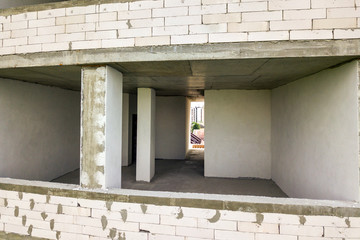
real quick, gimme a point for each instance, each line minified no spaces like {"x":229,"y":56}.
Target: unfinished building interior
{"x":90,"y":112}
{"x":291,"y":124}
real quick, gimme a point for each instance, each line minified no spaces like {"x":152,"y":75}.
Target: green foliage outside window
{"x":194,"y":125}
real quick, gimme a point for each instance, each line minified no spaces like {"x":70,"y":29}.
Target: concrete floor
{"x":188,"y":176}
{"x":195,"y":154}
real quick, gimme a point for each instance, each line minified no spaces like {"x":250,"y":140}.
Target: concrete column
{"x":101,"y":127}
{"x":145,"y":152}
{"x":125,"y":130}
{"x":187,"y":125}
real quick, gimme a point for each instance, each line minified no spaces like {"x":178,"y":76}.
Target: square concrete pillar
{"x":101,"y":127}
{"x":145,"y":152}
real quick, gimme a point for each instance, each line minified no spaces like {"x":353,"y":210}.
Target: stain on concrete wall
{"x":93,"y":127}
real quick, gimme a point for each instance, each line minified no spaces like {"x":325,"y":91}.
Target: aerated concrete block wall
{"x":57,"y":217}
{"x":173,"y":22}
{"x":238,"y":133}
{"x":39,"y":130}
{"x":315,"y":141}
{"x":303,"y":135}
{"x":170,"y":128}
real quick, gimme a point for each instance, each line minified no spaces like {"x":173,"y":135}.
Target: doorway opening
{"x":197,"y":130}
{"x":133,"y":138}
{"x":195,"y":123}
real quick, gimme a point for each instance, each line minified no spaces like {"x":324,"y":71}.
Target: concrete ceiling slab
{"x":169,"y":68}
{"x":65,"y":77}
{"x":283,"y":70}
{"x":233,"y":74}
{"x":187,"y":78}
{"x":235,"y":67}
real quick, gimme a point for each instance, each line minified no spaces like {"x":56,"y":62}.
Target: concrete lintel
{"x":244,"y":50}
{"x":63,"y":4}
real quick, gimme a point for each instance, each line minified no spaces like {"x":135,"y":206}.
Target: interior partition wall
{"x":303,"y":135}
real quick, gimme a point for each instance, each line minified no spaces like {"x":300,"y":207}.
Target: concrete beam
{"x":145,"y":152}
{"x":4,"y":5}
{"x":53,"y":4}
{"x":101,"y":127}
{"x":244,"y":50}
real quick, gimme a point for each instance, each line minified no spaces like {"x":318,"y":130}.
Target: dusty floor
{"x":195,"y":154}
{"x":188,"y":176}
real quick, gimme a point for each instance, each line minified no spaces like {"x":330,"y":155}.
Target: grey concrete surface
{"x":20,"y":3}
{"x":221,"y":51}
{"x":245,"y":203}
{"x":21,"y":6}
{"x":188,"y":77}
{"x":195,"y":154}
{"x":188,"y":176}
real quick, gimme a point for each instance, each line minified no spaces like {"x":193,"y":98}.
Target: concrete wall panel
{"x":237,"y":133}
{"x":315,"y":135}
{"x":113,"y":127}
{"x":39,"y":131}
{"x":170,"y":127}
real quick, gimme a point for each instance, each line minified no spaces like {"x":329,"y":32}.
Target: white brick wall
{"x":288,"y":4}
{"x":313,"y":34}
{"x":173,"y":22}
{"x":71,"y":218}
{"x":152,"y":41}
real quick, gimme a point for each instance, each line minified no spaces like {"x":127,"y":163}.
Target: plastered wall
{"x":315,"y":135}
{"x":170,"y":127}
{"x":39,"y":131}
{"x":170,"y":140}
{"x":238,"y":131}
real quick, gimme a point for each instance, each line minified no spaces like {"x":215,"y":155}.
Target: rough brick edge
{"x":54,"y":5}
{"x":188,"y":202}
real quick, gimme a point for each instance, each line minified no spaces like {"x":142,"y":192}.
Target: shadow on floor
{"x":188,"y":176}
